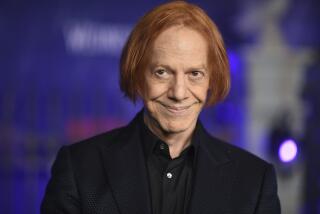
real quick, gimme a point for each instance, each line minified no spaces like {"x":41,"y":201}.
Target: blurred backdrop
{"x":59,"y":84}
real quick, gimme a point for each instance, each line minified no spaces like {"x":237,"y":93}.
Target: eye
{"x":196,"y":75}
{"x":161,"y":73}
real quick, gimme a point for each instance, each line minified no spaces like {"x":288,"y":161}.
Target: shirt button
{"x":169,"y":175}
{"x":162,"y":146}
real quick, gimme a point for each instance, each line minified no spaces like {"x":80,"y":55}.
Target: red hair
{"x":137,"y":49}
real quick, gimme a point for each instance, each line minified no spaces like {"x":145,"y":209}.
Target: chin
{"x":177,"y":126}
{"x":172,"y":122}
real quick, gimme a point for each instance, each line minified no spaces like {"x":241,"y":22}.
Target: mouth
{"x":176,"y":109}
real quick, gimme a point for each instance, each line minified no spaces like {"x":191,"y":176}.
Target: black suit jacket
{"x":107,"y":174}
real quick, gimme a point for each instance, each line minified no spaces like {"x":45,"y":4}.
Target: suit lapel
{"x":127,"y":174}
{"x":213,"y":179}
{"x":126,"y":171}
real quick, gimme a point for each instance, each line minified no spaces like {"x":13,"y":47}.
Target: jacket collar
{"x":213,"y":176}
{"x":126,"y":171}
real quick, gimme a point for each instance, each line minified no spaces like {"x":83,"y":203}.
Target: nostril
{"x":178,"y":92}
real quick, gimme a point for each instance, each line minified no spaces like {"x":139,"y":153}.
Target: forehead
{"x":180,"y":43}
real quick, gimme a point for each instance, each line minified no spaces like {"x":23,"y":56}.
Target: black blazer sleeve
{"x":61,"y":194}
{"x":268,"y":199}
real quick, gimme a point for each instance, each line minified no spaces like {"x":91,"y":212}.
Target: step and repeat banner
{"x":59,"y":63}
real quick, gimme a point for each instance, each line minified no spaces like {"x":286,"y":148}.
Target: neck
{"x":177,"y":141}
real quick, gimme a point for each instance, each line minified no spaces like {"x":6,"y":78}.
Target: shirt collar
{"x":151,"y":142}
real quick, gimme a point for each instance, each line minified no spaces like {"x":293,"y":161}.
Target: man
{"x":164,"y":161}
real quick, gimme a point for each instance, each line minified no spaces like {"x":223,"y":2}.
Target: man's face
{"x":177,"y":79}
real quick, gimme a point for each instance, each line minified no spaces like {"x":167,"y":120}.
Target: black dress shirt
{"x":170,"y":180}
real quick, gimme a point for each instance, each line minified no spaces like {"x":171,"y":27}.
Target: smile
{"x":176,"y":109}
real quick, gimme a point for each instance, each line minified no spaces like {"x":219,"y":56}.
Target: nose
{"x":178,"y":88}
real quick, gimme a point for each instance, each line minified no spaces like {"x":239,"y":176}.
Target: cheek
{"x":154,"y":90}
{"x":201,"y":92}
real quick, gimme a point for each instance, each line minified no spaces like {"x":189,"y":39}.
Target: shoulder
{"x":244,"y":159}
{"x":90,"y":148}
{"x":97,"y":140}
{"x":224,"y":151}
{"x":241,"y":154}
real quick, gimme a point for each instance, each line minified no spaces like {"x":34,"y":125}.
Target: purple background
{"x":59,"y":82}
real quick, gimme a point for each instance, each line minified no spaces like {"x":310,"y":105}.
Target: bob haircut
{"x":137,"y":50}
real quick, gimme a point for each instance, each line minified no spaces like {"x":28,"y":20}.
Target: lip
{"x":176,"y":109}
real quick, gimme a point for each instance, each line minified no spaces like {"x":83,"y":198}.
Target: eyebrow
{"x":200,"y":67}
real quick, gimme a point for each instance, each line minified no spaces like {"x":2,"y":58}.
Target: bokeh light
{"x":288,"y":150}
